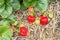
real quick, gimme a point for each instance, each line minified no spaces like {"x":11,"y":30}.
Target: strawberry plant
{"x":40,"y":5}
{"x":5,"y":33}
{"x":6,"y":17}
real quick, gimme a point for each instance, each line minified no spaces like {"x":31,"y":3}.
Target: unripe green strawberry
{"x":15,"y":23}
{"x":51,"y":15}
{"x":37,"y":21}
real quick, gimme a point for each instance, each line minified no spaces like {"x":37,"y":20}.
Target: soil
{"x":37,"y":32}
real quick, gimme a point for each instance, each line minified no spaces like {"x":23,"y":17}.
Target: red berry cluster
{"x":32,"y":18}
{"x":43,"y":20}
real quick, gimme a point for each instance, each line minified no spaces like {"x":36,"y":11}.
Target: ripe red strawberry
{"x":43,"y":20}
{"x":31,"y":9}
{"x":23,"y":31}
{"x":31,"y":19}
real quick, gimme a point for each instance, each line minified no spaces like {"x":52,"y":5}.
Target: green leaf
{"x":11,"y":18}
{"x":28,"y":3}
{"x":9,"y":9}
{"x":2,"y":29}
{"x":1,"y":2}
{"x":50,"y":1}
{"x":2,"y":8}
{"x":6,"y":12}
{"x":23,"y":7}
{"x":42,"y":5}
{"x":15,"y":4}
{"x":4,"y":23}
{"x":5,"y":33}
{"x":9,"y":1}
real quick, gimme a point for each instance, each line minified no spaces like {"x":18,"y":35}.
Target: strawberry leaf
{"x":1,"y":2}
{"x":6,"y":12}
{"x":41,"y":5}
{"x":9,"y":1}
{"x":15,"y":4}
{"x":28,"y":3}
{"x":5,"y":33}
{"x":2,"y":8}
{"x":4,"y":23}
{"x":11,"y":18}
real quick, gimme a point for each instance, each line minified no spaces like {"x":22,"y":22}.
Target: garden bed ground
{"x":38,"y":32}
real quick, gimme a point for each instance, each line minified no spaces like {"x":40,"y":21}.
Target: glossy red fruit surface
{"x":43,"y":20}
{"x":31,"y":19}
{"x":23,"y":31}
{"x":41,"y":16}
